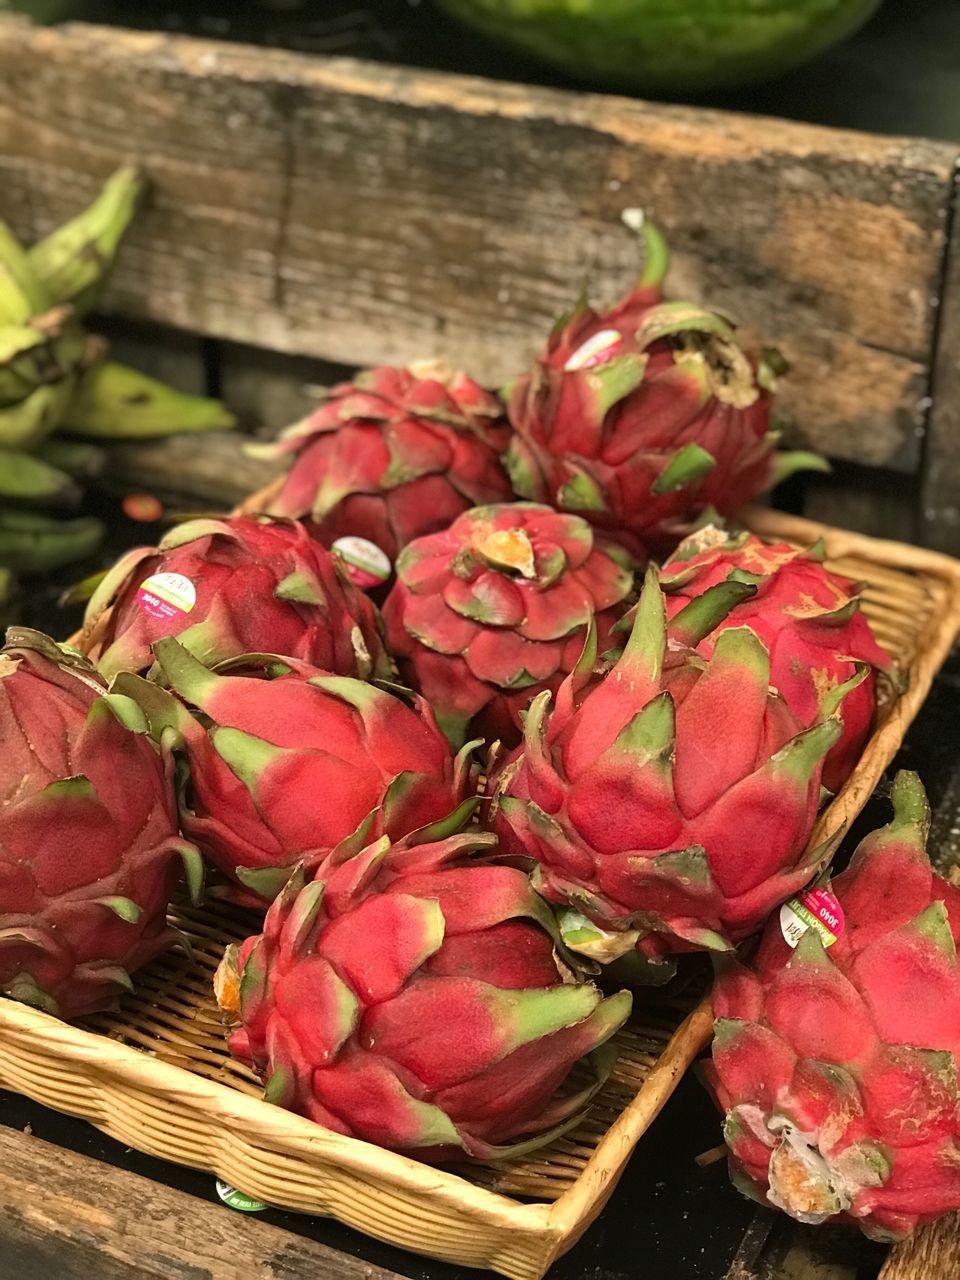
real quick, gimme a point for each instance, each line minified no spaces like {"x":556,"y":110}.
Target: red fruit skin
{"x":690,"y":839}
{"x":566,"y":426}
{"x":237,"y":567}
{"x":585,"y":323}
{"x":794,"y":614}
{"x":346,"y":750}
{"x":73,"y":778}
{"x":480,"y":641}
{"x":874,"y":1022}
{"x":379,"y":1009}
{"x":393,"y":456}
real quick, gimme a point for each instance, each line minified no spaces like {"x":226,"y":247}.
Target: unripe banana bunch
{"x":55,"y":378}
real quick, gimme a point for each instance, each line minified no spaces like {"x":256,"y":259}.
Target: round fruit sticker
{"x":366,"y":565}
{"x":164,"y":595}
{"x":239,"y":1199}
{"x":816,"y":909}
{"x":595,"y":350}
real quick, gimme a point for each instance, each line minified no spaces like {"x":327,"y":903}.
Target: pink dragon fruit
{"x":394,"y":455}
{"x":286,"y":761}
{"x":808,"y":618}
{"x":837,"y":1062}
{"x":413,"y":998}
{"x":641,"y":419}
{"x":670,"y":800}
{"x":90,"y":852}
{"x":496,"y":608}
{"x":232,"y":586}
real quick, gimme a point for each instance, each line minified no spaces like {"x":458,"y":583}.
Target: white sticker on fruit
{"x":816,"y":909}
{"x":164,"y":595}
{"x":595,"y":350}
{"x":366,"y":565}
{"x":239,"y":1199}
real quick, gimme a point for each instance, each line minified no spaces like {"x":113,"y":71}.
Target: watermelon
{"x":667,"y":46}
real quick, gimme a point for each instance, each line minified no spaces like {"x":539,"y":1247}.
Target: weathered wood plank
{"x":868,"y":499}
{"x":931,"y":1251}
{"x":270,"y":390}
{"x":214,"y":469}
{"x":363,"y":213}
{"x":64,"y":1216}
{"x":940,"y":498}
{"x":168,"y":354}
{"x":207,"y":470}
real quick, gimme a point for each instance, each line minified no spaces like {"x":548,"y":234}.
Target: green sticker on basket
{"x":239,"y":1199}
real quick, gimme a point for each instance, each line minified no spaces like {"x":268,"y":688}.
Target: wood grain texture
{"x":361,"y":213}
{"x":171,"y":355}
{"x":64,"y":1216}
{"x":931,"y":1252}
{"x":212,"y":468}
{"x":940,"y":497}
{"x":269,"y":390}
{"x":209,"y":469}
{"x":872,"y":500}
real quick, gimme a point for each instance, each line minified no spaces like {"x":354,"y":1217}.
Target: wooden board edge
{"x":623,"y":117}
{"x":50,"y":1219}
{"x":939,"y":515}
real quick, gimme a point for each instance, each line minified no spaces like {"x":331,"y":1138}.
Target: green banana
{"x":17,"y":341}
{"x":27,"y":424}
{"x":85,"y":461}
{"x":114,"y":401}
{"x":80,"y":592}
{"x":42,"y":352}
{"x":74,"y":261}
{"x":24,"y":478}
{"x":22,"y":295}
{"x":70,"y":350}
{"x":32,"y":543}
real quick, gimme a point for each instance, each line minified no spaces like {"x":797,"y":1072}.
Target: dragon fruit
{"x":671,"y":800}
{"x":394,"y":455}
{"x":413,"y":998}
{"x":286,"y":761}
{"x":233,"y":586}
{"x":641,"y":419}
{"x":837,"y":1062}
{"x":808,"y":618}
{"x":89,"y":847}
{"x":496,"y":608}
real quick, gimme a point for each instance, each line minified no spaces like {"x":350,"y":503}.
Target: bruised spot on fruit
{"x":432,"y":370}
{"x":726,"y":369}
{"x":226,"y":981}
{"x":801,"y":1182}
{"x":508,"y":549}
{"x":706,"y":539}
{"x":824,"y":683}
{"x":759,"y":557}
{"x":806,"y":606}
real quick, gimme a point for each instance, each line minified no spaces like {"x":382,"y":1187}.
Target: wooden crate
{"x":329,"y":209}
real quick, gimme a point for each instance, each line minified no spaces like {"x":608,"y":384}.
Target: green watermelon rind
{"x":693,"y":45}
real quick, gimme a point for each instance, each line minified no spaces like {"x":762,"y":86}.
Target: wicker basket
{"x":157,"y":1077}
